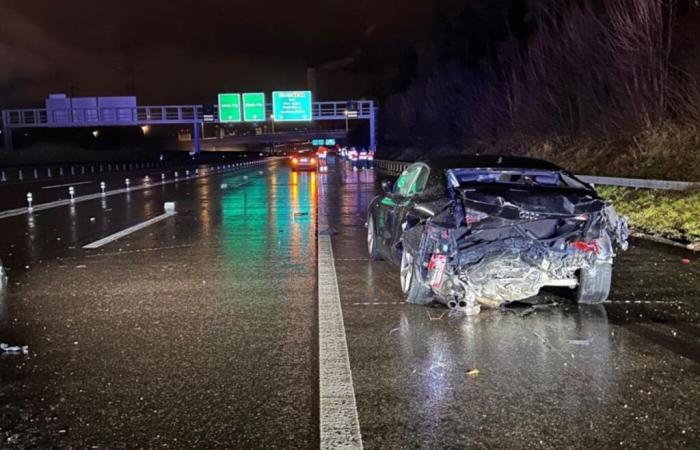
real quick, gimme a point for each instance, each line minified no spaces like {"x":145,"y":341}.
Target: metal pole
{"x":197,"y":144}
{"x":372,"y":127}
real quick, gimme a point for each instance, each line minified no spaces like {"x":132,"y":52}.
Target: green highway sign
{"x":291,"y":106}
{"x":323,"y":142}
{"x":229,"y":108}
{"x":254,"y":106}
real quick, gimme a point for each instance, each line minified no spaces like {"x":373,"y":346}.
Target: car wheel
{"x":410,"y":276}
{"x":372,"y":240}
{"x":594,"y":283}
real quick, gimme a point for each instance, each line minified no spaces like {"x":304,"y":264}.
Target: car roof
{"x":469,"y":161}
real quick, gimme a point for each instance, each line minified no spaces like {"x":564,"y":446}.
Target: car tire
{"x":594,"y":284}
{"x":372,"y":248}
{"x":410,"y":276}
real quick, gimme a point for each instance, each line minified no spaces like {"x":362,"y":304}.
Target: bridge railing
{"x":79,"y":117}
{"x":396,"y":167}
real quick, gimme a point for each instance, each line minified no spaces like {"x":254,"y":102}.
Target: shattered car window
{"x":518,"y":177}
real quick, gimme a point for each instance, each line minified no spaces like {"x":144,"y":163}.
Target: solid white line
{"x":67,"y":184}
{"x":339,"y":422}
{"x":127,"y":231}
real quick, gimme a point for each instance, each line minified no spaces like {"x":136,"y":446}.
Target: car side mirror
{"x":387,"y":186}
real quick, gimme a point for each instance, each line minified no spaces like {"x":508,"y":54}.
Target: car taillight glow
{"x":295,"y":161}
{"x":312,"y":160}
{"x":472,"y":216}
{"x":586,"y":247}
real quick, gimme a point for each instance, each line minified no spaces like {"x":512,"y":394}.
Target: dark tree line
{"x":550,"y":68}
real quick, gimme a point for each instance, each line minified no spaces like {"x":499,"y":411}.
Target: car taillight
{"x":313,"y":160}
{"x":295,"y":161}
{"x":586,"y":247}
{"x":472,"y":216}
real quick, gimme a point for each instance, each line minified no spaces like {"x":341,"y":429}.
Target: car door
{"x":394,"y":206}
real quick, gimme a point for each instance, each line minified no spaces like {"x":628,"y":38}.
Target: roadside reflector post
{"x":162,"y":177}
{"x":71,"y":192}
{"x":103,"y":185}
{"x":187,"y":173}
{"x":127,"y":182}
{"x":147,"y":179}
{"x":169,"y":206}
{"x":30,"y":199}
{"x":176,"y":175}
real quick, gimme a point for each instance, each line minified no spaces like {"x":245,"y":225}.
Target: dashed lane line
{"x":128,"y":231}
{"x":339,"y":423}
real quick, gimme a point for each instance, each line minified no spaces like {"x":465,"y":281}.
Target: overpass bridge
{"x":191,"y":115}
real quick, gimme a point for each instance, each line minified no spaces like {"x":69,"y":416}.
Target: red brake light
{"x":313,"y":160}
{"x":295,"y":161}
{"x":587,"y":247}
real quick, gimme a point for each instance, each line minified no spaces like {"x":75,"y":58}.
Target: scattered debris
{"x":685,"y":261}
{"x":473,"y":373}
{"x":92,"y":219}
{"x":301,"y":214}
{"x":14,"y":349}
{"x":80,"y":266}
{"x":580,"y":341}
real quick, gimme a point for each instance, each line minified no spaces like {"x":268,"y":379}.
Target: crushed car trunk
{"x":494,"y":245}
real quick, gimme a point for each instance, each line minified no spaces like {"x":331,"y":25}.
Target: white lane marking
{"x":127,"y":231}
{"x":339,"y":422}
{"x":67,"y":184}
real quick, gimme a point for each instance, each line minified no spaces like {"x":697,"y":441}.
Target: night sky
{"x":175,"y":51}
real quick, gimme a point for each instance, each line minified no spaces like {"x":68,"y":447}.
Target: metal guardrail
{"x":397,"y":167}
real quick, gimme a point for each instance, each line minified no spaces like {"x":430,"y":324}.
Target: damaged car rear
{"x":472,"y":231}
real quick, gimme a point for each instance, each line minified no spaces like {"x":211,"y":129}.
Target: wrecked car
{"x":473,"y":231}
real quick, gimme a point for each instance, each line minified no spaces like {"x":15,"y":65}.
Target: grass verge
{"x":669,"y":214}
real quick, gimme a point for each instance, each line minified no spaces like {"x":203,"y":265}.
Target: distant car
{"x":304,"y":161}
{"x":488,"y":230}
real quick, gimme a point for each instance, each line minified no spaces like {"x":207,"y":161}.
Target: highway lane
{"x":193,"y":333}
{"x":200,"y":331}
{"x":624,"y":374}
{"x":13,"y":193}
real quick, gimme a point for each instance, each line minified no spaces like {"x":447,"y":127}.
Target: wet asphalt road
{"x":201,"y":331}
